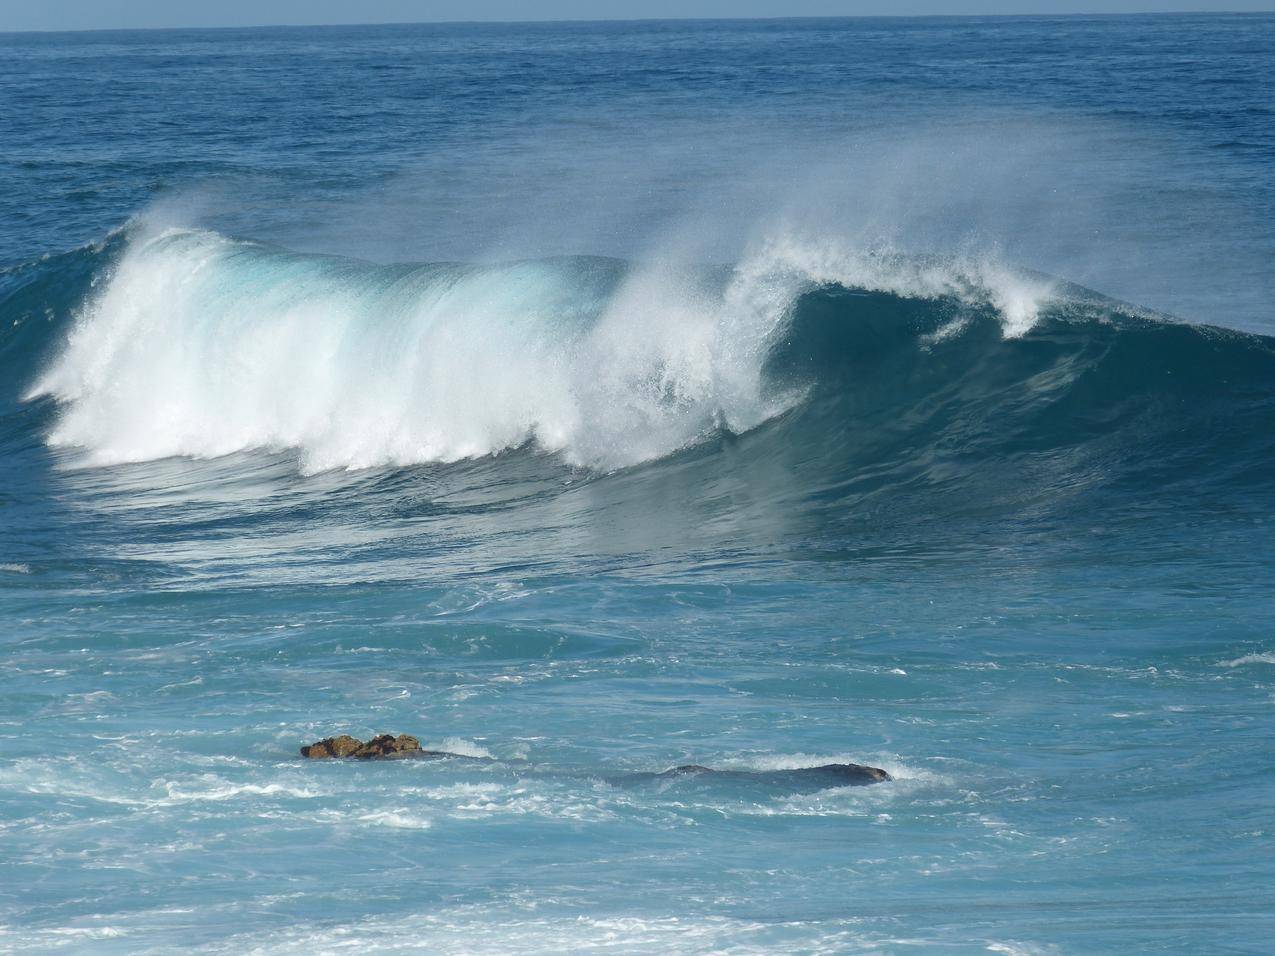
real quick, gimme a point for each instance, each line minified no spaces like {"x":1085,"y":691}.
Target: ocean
{"x":598,"y":398}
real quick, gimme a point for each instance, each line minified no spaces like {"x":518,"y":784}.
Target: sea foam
{"x":201,"y":345}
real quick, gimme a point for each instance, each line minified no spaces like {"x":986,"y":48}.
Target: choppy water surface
{"x":603,"y":398}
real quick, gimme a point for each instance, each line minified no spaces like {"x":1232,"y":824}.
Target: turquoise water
{"x":602,"y":398}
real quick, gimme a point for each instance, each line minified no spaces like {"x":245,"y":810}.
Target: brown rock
{"x":341,"y":746}
{"x":387,"y":745}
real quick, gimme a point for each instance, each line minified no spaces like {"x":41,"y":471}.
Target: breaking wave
{"x":870,"y":370}
{"x":201,"y":345}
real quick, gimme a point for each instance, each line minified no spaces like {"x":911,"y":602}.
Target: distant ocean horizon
{"x":599,"y":398}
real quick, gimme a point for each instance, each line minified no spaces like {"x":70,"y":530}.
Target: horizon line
{"x":687,"y":19}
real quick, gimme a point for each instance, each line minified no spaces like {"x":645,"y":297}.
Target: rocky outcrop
{"x":387,"y":745}
{"x":382,"y":747}
{"x":342,"y":746}
{"x":793,"y":780}
{"x":849,"y":772}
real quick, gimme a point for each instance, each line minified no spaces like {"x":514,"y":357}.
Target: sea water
{"x":599,"y":398}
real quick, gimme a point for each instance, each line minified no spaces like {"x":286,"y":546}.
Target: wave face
{"x":876,"y":371}
{"x":201,"y":345}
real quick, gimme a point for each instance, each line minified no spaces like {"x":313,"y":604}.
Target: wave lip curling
{"x":200,"y":345}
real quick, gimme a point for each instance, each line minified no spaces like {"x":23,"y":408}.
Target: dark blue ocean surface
{"x":602,"y":398}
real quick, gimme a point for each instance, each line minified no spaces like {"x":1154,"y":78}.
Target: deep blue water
{"x":602,"y":398}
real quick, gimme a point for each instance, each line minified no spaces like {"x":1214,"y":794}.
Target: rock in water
{"x":855,"y":772}
{"x":386,"y":745}
{"x":341,"y":746}
{"x":794,"y":780}
{"x":791,"y":781}
{"x":850,"y":773}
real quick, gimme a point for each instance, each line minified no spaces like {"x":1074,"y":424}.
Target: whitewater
{"x":200,"y":345}
{"x":590,"y":400}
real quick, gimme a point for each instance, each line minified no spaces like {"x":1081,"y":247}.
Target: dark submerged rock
{"x":795,"y":780}
{"x":849,"y":772}
{"x":853,"y":771}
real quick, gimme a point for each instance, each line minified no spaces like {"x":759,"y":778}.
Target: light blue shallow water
{"x":604,"y":398}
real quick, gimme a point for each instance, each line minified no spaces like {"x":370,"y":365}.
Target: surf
{"x":849,"y":372}
{"x":193,"y":343}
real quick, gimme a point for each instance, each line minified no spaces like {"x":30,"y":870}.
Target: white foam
{"x":199,"y":345}
{"x":457,"y":745}
{"x":400,"y":819}
{"x":1014,"y":948}
{"x":101,"y":932}
{"x":465,"y":930}
{"x":1263,"y":658}
{"x":458,"y":791}
{"x":228,"y":791}
{"x":975,"y":280}
{"x":202,"y":346}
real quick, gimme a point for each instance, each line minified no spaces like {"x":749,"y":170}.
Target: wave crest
{"x":201,"y":345}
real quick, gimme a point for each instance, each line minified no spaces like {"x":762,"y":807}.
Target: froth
{"x":979,"y":279}
{"x":200,"y":345}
